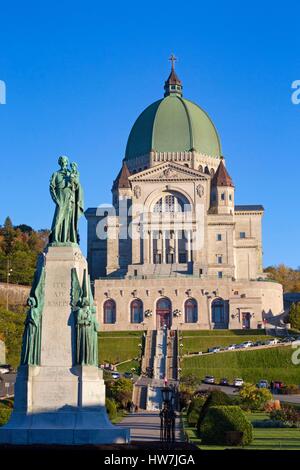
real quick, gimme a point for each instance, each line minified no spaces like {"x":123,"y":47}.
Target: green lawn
{"x":251,"y":365}
{"x":195,"y":341}
{"x":263,"y":438}
{"x":118,"y":346}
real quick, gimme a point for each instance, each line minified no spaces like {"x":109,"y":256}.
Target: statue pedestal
{"x":56,"y":402}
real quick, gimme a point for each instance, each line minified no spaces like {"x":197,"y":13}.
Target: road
{"x":7,"y":384}
{"x":145,"y":426}
{"x":234,"y":392}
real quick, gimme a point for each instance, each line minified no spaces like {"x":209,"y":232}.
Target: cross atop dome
{"x":173,"y":60}
{"x":173,"y":85}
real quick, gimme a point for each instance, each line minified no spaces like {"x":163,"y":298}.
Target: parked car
{"x":246,"y":344}
{"x":286,"y":340}
{"x":277,"y":385}
{"x":215,"y":349}
{"x":258,"y":343}
{"x":115,"y":375}
{"x":270,"y":342}
{"x":5,"y":368}
{"x":224,"y":382}
{"x":238,"y":382}
{"x":231,"y":347}
{"x":263,"y":384}
{"x":209,"y":379}
{"x":128,"y":375}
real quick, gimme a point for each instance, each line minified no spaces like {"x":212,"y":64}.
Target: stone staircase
{"x":160,"y":358}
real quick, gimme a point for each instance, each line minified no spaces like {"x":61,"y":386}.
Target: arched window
{"x":136,"y":311}
{"x":191,"y":311}
{"x":200,"y":168}
{"x":218,"y":311}
{"x":212,"y":172}
{"x":171,"y":203}
{"x":109,"y":311}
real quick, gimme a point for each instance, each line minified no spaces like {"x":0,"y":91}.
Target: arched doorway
{"x":219,"y":313}
{"x":163,"y":313}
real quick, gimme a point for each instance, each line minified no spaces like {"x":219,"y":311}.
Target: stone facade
{"x":174,"y":246}
{"x":2,"y":352}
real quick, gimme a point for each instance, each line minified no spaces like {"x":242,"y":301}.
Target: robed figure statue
{"x":31,"y":342}
{"x":67,"y":194}
{"x":86,"y":325}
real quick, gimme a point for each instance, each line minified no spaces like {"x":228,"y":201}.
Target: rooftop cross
{"x":173,"y":60}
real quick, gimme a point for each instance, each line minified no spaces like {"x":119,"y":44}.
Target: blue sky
{"x":79,"y":73}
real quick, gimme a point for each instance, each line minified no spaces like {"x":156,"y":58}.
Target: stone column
{"x":189,"y":250}
{"x":176,"y":251}
{"x":150,"y":247}
{"x":163,"y":247}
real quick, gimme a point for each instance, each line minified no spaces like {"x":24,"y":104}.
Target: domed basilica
{"x":174,"y":250}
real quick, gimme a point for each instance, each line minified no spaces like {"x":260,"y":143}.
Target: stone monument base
{"x":56,"y":402}
{"x":87,"y":423}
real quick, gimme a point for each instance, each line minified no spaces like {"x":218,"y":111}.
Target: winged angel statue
{"x":31,"y":342}
{"x":85,"y":320}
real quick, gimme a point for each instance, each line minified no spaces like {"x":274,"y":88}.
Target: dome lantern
{"x":173,"y":85}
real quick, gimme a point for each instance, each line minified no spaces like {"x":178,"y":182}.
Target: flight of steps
{"x":161,"y":356}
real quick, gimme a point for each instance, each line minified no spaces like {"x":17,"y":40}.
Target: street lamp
{"x":8,"y":274}
{"x":167,"y":416}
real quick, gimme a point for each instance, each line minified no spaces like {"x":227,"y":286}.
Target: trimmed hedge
{"x":4,"y":415}
{"x":111,"y":408}
{"x":215,"y":398}
{"x":220,"y":420}
{"x":194,"y":409}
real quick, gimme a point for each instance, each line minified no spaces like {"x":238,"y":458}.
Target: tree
{"x":294,"y":316}
{"x":9,"y":236}
{"x":121,"y":391}
{"x":288,"y":277}
{"x":254,"y":398}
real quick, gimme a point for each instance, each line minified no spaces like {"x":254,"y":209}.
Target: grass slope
{"x":118,"y":346}
{"x":263,"y":438}
{"x":251,"y":365}
{"x":196,"y":341}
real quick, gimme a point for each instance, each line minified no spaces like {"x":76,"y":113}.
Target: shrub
{"x":220,"y":420}
{"x":111,"y":408}
{"x":194,"y":409}
{"x":290,"y":389}
{"x":272,"y":405}
{"x":4,"y":415}
{"x":121,"y":391}
{"x":185,"y":396}
{"x":254,"y":398}
{"x":294,"y":315}
{"x":288,"y":415}
{"x":215,"y":398}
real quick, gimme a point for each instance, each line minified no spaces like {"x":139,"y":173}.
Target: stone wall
{"x":17,"y":294}
{"x":258,"y":298}
{"x":2,"y":352}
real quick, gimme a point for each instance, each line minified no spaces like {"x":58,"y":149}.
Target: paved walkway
{"x":145,"y":426}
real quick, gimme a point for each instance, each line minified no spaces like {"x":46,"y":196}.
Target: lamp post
{"x":8,"y":274}
{"x":167,"y":415}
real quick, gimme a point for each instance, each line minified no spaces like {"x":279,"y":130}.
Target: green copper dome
{"x":173,"y":124}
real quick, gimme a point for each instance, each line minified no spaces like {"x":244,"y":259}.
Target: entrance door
{"x":163,"y":313}
{"x":246,"y":320}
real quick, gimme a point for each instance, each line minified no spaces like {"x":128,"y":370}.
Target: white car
{"x":238,"y":382}
{"x":246,"y":344}
{"x":209,"y":379}
{"x":215,"y":349}
{"x":272,"y":341}
{"x":116,"y":375}
{"x":231,"y":347}
{"x":4,"y":370}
